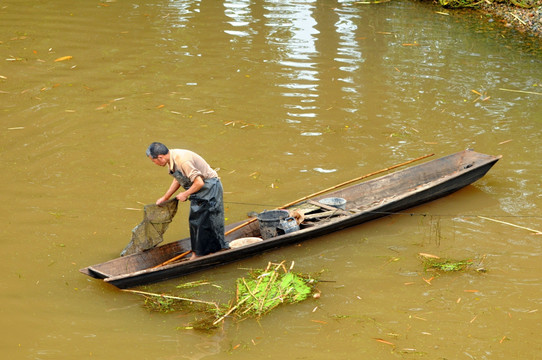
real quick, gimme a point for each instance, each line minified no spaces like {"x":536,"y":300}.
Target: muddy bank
{"x":525,"y":20}
{"x":528,"y":21}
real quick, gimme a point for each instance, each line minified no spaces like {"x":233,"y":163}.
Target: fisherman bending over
{"x":204,"y":190}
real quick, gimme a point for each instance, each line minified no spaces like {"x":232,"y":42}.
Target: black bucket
{"x":269,"y":221}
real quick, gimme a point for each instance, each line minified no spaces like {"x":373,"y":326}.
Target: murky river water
{"x":286,"y":98}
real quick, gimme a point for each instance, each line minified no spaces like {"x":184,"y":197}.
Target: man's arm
{"x":196,"y":186}
{"x":174,"y":187}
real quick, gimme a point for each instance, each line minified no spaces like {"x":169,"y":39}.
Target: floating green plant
{"x":433,"y":262}
{"x":447,"y":264}
{"x":256,"y":294}
{"x":265,"y":290}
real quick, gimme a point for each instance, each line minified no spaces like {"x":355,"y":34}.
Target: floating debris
{"x":256,"y":295}
{"x":447,"y":265}
{"x":64,"y":58}
{"x":433,"y":262}
{"x":324,"y":171}
{"x":266,"y":289}
{"x":168,"y":303}
{"x":536,"y":232}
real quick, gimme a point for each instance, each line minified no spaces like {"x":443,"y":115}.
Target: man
{"x":204,"y":190}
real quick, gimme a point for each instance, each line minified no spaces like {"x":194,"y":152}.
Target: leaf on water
{"x":428,"y":280}
{"x":384,"y":341}
{"x":64,"y":58}
{"x":425,"y":255}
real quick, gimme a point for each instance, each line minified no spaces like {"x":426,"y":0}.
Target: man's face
{"x":160,"y":160}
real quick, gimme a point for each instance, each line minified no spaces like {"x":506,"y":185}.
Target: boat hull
{"x":366,"y":201}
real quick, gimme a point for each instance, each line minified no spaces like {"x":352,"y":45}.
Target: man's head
{"x":158,"y":153}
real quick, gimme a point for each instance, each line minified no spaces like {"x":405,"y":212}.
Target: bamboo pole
{"x":521,"y":91}
{"x":537,"y":232}
{"x":172,"y":259}
{"x":231,"y":310}
{"x":332,"y":188}
{"x":169,"y":297}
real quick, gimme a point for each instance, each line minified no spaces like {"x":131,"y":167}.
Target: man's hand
{"x":182,"y":196}
{"x":161,"y":200}
{"x":196,"y":186}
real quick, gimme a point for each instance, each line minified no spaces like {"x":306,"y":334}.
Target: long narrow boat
{"x":365,"y":201}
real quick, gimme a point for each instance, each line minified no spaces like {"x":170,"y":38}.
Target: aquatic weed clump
{"x":256,"y":295}
{"x":436,"y":263}
{"x":160,"y":304}
{"x":267,"y":289}
{"x":167,"y":303}
{"x":447,"y":265}
{"x":264,"y":290}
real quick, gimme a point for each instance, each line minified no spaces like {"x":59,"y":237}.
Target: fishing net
{"x":149,"y":232}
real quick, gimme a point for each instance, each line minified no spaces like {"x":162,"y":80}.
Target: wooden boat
{"x":365,"y":201}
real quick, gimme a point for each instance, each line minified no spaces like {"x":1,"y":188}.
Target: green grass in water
{"x":257,"y":294}
{"x":446,"y":265}
{"x":262,"y":293}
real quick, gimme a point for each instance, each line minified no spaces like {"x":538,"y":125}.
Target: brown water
{"x":286,"y":98}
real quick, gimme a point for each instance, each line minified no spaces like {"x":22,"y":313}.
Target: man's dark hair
{"x":156,"y":149}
